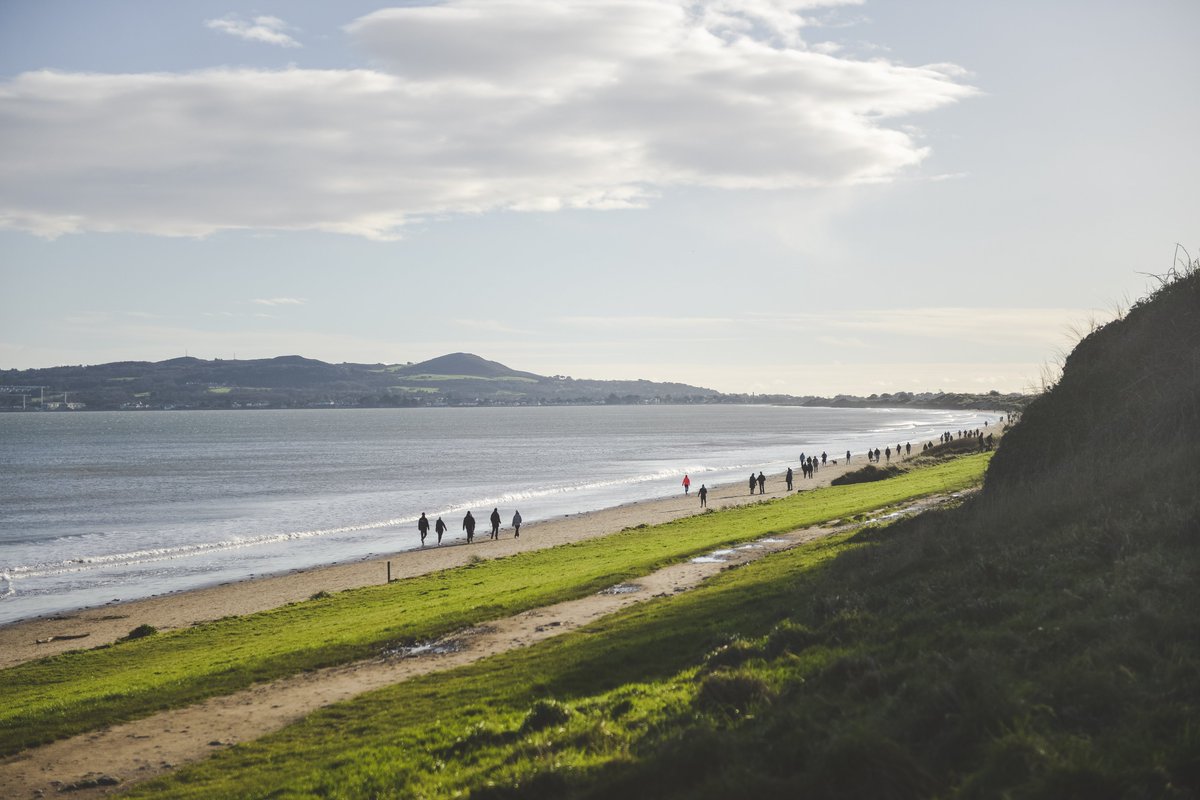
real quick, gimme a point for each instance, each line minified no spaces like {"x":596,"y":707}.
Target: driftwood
{"x":62,"y":636}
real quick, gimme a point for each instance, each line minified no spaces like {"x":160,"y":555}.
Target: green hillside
{"x":1040,"y":640}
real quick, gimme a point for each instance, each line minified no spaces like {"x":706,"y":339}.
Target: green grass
{"x":84,"y":690}
{"x":964,"y":653}
{"x":569,"y":705}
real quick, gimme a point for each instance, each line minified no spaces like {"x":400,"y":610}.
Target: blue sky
{"x":769,"y":196}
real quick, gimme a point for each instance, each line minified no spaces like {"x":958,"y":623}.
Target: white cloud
{"x":471,"y":106}
{"x":281,"y":301}
{"x":269,"y":30}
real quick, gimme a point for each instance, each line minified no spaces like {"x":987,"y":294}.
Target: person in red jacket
{"x":687,"y":483}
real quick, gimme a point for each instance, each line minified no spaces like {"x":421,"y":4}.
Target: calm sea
{"x":100,"y":506}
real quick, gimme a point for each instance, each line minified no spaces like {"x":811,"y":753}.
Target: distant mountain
{"x":467,"y":364}
{"x":456,"y":379}
{"x":293,"y":381}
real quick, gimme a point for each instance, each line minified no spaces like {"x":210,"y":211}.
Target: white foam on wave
{"x":511,"y":498}
{"x":150,"y":555}
{"x":157,"y":554}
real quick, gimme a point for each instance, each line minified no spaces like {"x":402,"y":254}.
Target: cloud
{"x":281,"y":301}
{"x":469,"y":107}
{"x":261,"y":29}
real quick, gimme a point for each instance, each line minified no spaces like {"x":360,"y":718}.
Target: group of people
{"x":468,"y":525}
{"x":983,"y":442}
{"x":810,"y":464}
{"x":873,"y":455}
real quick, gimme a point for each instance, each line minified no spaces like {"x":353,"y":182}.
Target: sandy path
{"x":142,"y":749}
{"x":39,"y":637}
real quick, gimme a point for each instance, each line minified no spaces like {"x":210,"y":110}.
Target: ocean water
{"x":101,"y":506}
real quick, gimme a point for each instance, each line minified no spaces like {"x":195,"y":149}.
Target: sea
{"x":97,"y":507}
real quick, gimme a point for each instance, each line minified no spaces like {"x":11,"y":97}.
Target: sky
{"x":768,"y":196}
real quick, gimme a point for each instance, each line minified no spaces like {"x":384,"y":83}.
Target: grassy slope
{"x":1040,"y":641}
{"x":86,"y":689}
{"x":925,"y":660}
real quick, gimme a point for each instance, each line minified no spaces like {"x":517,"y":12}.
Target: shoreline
{"x":92,"y":626}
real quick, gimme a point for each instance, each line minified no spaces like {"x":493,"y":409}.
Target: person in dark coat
{"x":788,"y":478}
{"x":762,"y":483}
{"x":495,"y":518}
{"x":469,"y":527}
{"x":753,"y":482}
{"x":517,"y":525}
{"x":423,"y":527}
{"x":439,"y":527}
{"x":703,"y":496}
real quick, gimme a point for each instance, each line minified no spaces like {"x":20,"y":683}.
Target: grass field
{"x":87,"y":689}
{"x":964,"y":653}
{"x":529,"y":723}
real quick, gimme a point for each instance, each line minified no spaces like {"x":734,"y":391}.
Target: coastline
{"x":37,"y":637}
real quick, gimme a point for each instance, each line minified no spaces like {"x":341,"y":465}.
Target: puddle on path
{"x":715,"y":557}
{"x":450,"y":644}
{"x":621,"y":588}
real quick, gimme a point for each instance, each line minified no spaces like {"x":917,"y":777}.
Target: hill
{"x":456,"y":379}
{"x":464,"y":364}
{"x":296,"y":382}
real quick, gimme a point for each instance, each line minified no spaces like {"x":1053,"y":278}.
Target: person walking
{"x":495,"y":518}
{"x":423,"y":527}
{"x":788,"y":478}
{"x":753,"y":482}
{"x":517,"y":525}
{"x":703,"y":496}
{"x":687,"y":483}
{"x":762,"y":483}
{"x":469,"y":527}
{"x":439,"y":527}
{"x":847,"y":456}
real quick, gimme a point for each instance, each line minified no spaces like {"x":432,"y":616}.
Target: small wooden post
{"x":389,"y":572}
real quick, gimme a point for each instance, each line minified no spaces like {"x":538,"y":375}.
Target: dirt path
{"x":97,"y":763}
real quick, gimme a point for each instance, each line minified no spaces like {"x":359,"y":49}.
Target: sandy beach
{"x":45,"y":636}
